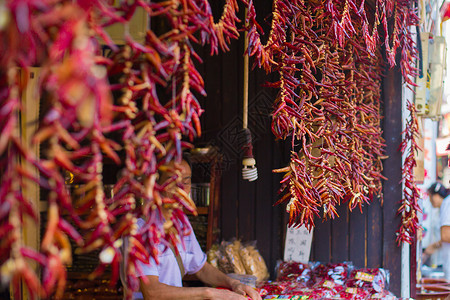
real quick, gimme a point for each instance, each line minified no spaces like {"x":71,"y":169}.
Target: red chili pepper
{"x":329,"y":69}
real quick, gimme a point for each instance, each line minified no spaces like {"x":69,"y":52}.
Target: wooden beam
{"x":29,"y":121}
{"x":392,"y":188}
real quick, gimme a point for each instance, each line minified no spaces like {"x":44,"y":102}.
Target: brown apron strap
{"x":179,"y":261}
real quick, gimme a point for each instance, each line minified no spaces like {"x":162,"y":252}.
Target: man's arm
{"x":445,"y":234}
{"x":152,"y":289}
{"x":445,"y":237}
{"x":212,"y":276}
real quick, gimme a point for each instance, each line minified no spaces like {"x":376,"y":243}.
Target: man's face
{"x":185,"y":174}
{"x":436,"y":200}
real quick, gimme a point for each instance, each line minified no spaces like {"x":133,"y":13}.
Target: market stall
{"x":326,"y":104}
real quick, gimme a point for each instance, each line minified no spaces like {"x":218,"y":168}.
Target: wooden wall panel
{"x":226,"y":139}
{"x":340,"y":236}
{"x":357,"y":231}
{"x":374,"y":235}
{"x":321,"y":247}
{"x":264,"y":221}
{"x":212,"y":104}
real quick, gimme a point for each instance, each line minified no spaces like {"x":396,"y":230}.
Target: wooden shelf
{"x":201,"y":210}
{"x":206,"y":169}
{"x":211,"y":156}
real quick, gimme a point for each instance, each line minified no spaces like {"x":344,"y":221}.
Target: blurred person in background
{"x":439,"y":198}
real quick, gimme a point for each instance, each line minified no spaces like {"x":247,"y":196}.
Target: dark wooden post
{"x":392,"y":188}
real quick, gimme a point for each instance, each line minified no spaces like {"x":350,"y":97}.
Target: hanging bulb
{"x":249,"y":171}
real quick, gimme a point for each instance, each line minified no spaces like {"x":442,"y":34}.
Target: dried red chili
{"x":329,"y":63}
{"x":321,"y":92}
{"x":409,"y":209}
{"x":328,"y":104}
{"x":81,"y":118}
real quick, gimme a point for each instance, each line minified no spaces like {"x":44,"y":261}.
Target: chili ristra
{"x":328,"y":58}
{"x":327,"y":55}
{"x":409,"y":209}
{"x":83,"y":124}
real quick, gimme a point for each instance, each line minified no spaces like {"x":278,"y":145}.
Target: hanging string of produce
{"x":409,"y":209}
{"x":328,"y":58}
{"x":83,"y":124}
{"x":327,"y":55}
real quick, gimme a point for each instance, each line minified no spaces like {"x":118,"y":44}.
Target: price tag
{"x":298,"y":244}
{"x":351,"y":290}
{"x":364,"y":276}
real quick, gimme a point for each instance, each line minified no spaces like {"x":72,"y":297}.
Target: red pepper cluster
{"x":327,"y":281}
{"x":328,"y":104}
{"x":337,"y":273}
{"x":409,"y":209}
{"x":328,"y":58}
{"x":374,"y":280}
{"x":295,"y":271}
{"x":154,"y":108}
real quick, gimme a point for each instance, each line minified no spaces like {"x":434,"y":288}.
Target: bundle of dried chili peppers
{"x":135,"y":106}
{"x":409,"y":209}
{"x":328,"y":104}
{"x":328,"y":58}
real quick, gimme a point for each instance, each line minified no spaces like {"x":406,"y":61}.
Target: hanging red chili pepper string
{"x":407,"y":18}
{"x":81,"y":119}
{"x":318,"y":101}
{"x":328,"y":104}
{"x":329,"y":68}
{"x":409,"y":209}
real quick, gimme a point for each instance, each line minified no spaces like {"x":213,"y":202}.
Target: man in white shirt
{"x":164,"y":281}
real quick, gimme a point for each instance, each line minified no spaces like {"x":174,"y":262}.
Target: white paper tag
{"x":298,"y":244}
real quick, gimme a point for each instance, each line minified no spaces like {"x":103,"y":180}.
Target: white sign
{"x":298,"y":244}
